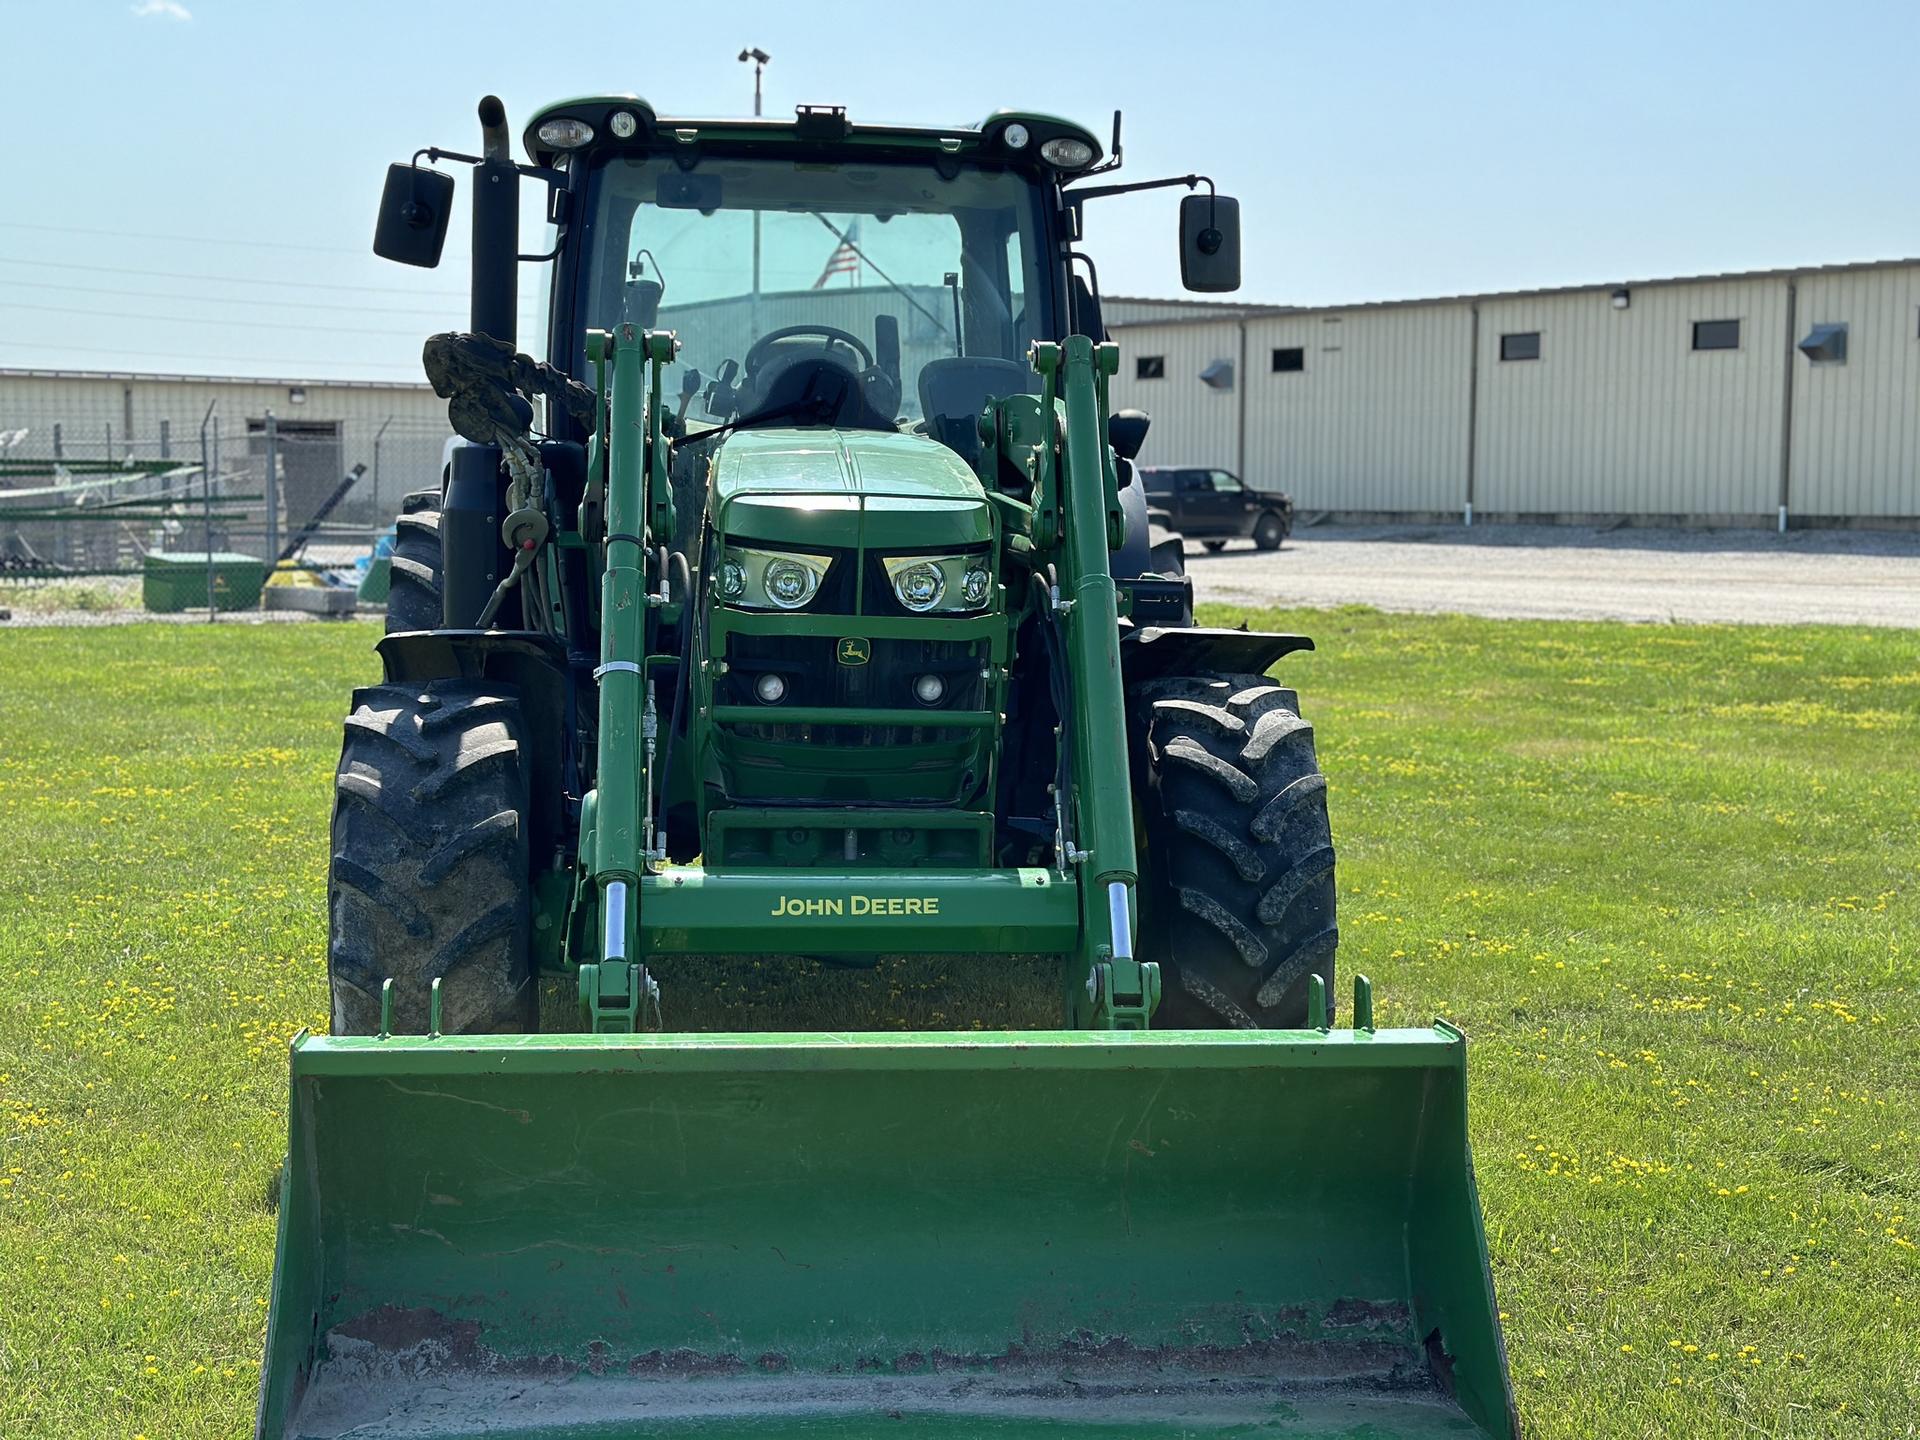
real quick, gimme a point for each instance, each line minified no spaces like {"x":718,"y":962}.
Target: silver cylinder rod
{"x":1122,"y":921}
{"x":614,"y":912}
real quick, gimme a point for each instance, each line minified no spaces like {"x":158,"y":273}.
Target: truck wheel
{"x":1269,"y":530}
{"x":1237,"y":898}
{"x":413,"y":591}
{"x":430,"y":875}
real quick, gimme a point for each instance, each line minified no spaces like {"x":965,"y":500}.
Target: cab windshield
{"x":911,"y":290}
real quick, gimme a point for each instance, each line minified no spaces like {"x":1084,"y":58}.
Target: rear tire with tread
{"x":413,"y":588}
{"x":430,"y":875}
{"x":1238,"y":879}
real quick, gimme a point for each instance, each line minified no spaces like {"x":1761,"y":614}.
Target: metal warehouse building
{"x":333,"y":424}
{"x":66,"y":422}
{"x":1787,"y":397}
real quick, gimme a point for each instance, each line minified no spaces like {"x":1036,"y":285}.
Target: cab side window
{"x":1225,"y":482}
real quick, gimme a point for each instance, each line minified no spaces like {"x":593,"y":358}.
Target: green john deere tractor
{"x":797,"y":600}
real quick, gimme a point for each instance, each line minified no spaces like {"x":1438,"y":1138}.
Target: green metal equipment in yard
{"x":816,"y":614}
{"x":173,"y":581}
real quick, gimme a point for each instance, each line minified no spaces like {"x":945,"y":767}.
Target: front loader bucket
{"x":1091,"y":1234}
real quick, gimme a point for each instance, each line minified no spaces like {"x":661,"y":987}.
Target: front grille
{"x":814,"y":677}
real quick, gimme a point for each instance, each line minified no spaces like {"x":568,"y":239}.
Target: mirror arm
{"x":556,"y":180}
{"x":1077,"y":199}
{"x":435,"y":155}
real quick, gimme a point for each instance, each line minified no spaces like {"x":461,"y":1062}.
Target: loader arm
{"x":1108,"y":986}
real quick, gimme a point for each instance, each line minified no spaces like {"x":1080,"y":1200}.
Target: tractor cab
{"x":870,"y":277}
{"x":867,"y":276}
{"x":865,"y":293}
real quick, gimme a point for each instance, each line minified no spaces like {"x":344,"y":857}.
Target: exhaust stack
{"x":496,"y":228}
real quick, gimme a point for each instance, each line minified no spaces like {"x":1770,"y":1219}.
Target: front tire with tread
{"x":430,"y":874}
{"x":1238,"y":878}
{"x":414,"y":586}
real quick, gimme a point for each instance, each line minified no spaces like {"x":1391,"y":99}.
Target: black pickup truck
{"x":1213,"y":506}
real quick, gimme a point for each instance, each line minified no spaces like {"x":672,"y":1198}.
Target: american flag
{"x":845,"y":260}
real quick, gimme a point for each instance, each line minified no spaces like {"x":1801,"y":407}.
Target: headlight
{"x":976,"y":585}
{"x":790,"y":584}
{"x":928,"y":583}
{"x":770,"y":579}
{"x":1067,"y":152}
{"x":919,"y":585}
{"x":565,"y":133}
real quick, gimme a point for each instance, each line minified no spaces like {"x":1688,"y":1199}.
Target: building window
{"x":1524,"y":346}
{"x":1716,"y":334}
{"x":1150,"y":367}
{"x":1289,"y":361}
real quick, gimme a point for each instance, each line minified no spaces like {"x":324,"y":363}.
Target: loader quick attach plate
{"x":1015,"y":1234}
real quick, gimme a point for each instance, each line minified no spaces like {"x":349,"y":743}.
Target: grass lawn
{"x":1666,"y":877}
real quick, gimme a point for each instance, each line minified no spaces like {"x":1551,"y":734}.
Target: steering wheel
{"x":758,"y":352}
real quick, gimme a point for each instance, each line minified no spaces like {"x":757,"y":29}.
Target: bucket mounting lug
{"x":613,"y":994}
{"x":1124,"y":992}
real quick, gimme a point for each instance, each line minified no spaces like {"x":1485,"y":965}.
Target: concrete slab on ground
{"x":1550,"y":572}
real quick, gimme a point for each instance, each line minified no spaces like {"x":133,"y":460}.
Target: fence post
{"x":206,"y":502}
{"x":378,"y":509}
{"x":272,"y":488}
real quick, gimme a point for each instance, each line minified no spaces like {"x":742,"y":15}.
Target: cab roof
{"x":813,"y":126}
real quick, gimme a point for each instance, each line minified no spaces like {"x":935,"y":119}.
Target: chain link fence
{"x":84,"y":497}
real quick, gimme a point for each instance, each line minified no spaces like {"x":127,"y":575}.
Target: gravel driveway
{"x":1550,"y":572}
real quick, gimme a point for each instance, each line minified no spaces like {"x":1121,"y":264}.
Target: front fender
{"x":532,"y":665}
{"x":1149,"y":652}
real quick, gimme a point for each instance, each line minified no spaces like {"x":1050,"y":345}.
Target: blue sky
{"x":191,"y":183}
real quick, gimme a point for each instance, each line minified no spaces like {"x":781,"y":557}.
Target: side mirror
{"x":1086,"y":310}
{"x":1127,"y":432}
{"x":1210,"y":243}
{"x":414,"y":208}
{"x":643,"y":302}
{"x":886,"y":346}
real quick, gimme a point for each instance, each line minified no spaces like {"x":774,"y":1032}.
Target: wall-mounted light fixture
{"x":1622,"y":298}
{"x":1218,"y":375}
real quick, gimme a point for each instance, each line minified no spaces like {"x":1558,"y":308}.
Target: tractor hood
{"x":847,"y":489}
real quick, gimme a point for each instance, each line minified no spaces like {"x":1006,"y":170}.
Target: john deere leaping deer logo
{"x":853,"y":650}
